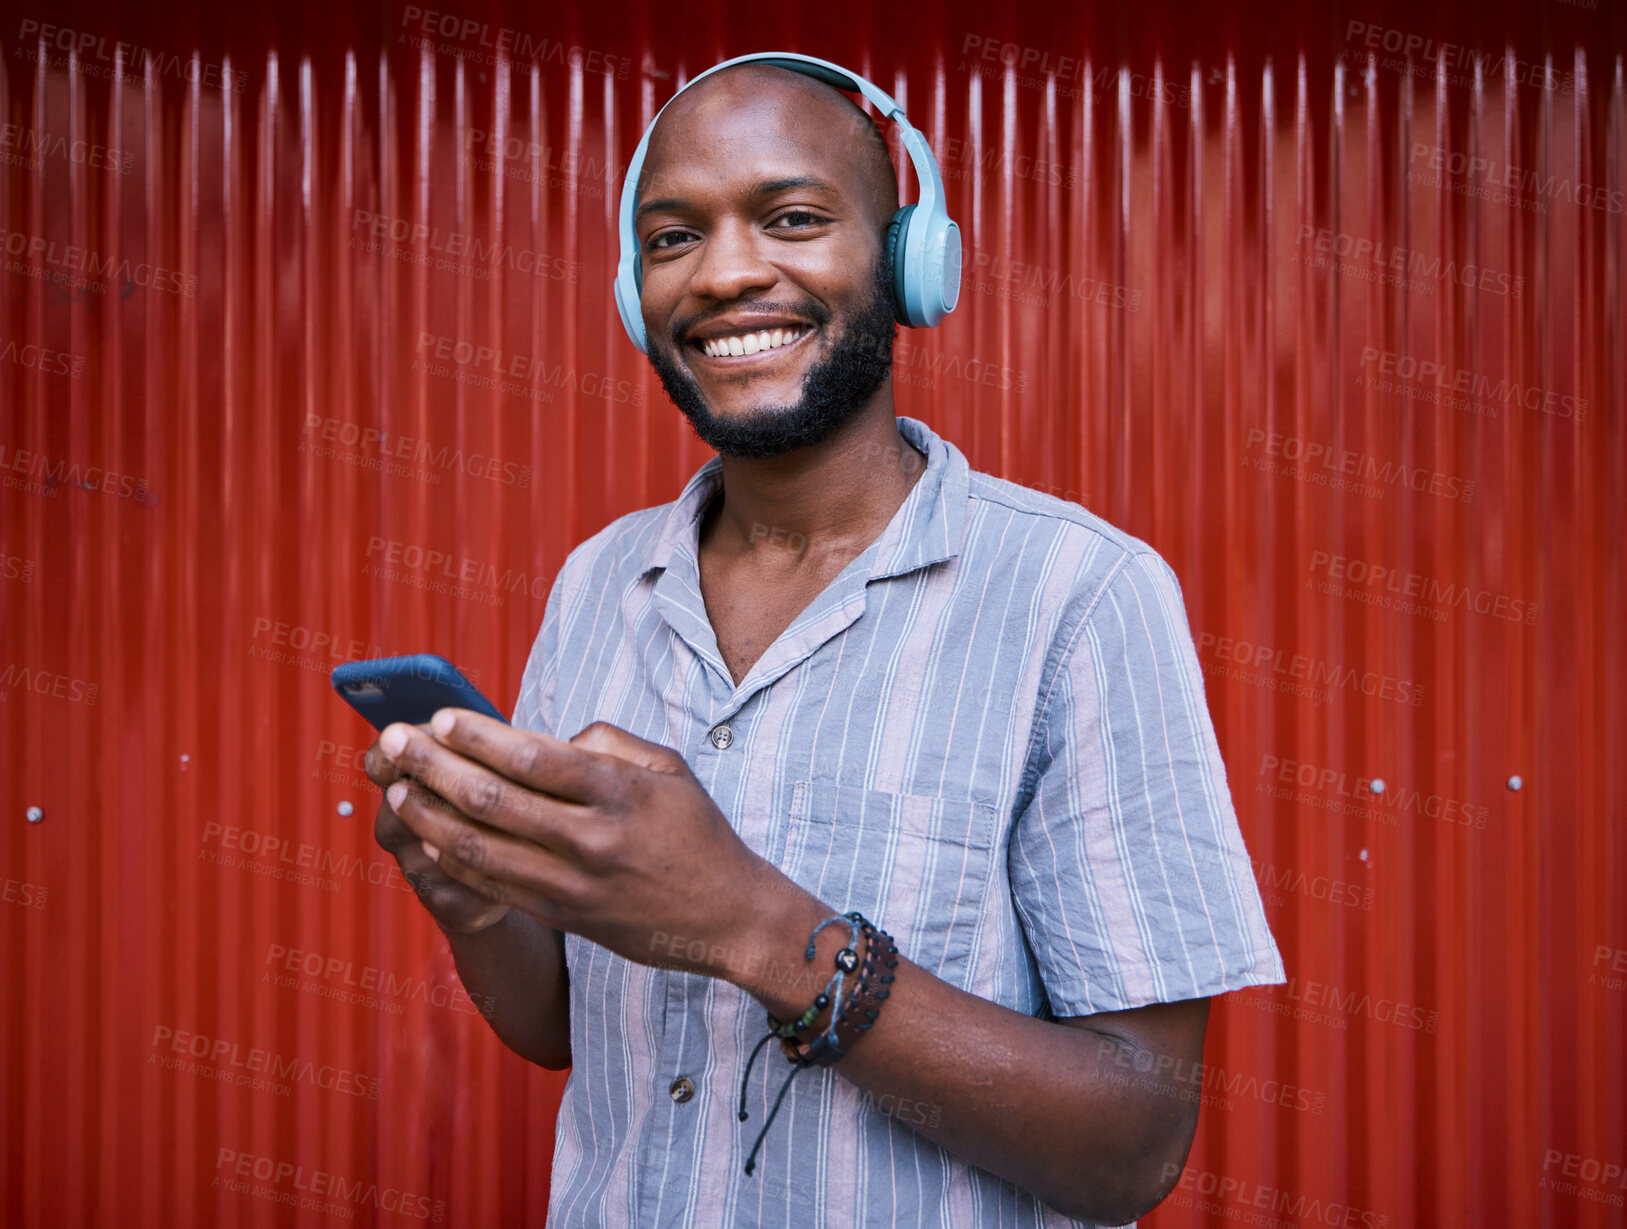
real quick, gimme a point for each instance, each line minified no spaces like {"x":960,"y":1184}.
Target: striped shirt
{"x":999,"y":702}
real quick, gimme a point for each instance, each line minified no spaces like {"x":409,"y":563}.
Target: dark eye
{"x":799,"y":218}
{"x":656,"y":243}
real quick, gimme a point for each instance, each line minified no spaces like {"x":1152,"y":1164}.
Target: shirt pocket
{"x":916,"y":866}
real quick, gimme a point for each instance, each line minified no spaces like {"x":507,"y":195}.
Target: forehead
{"x":745,"y":126}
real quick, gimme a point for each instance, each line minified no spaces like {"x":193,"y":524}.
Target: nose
{"x":731,"y":263}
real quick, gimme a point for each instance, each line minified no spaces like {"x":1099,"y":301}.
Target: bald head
{"x":830,"y":128}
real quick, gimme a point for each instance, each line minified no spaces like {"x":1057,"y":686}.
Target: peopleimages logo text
{"x":1221,"y":1191}
{"x":341,"y":975}
{"x":1532,"y":185}
{"x":94,"y":54}
{"x":1388,"y":258}
{"x":1349,"y":462}
{"x":1368,"y":576}
{"x":1425,"y":373}
{"x":1421,"y":56}
{"x":92,"y":269}
{"x":320,"y":1184}
{"x":1316,"y":672}
{"x":30,"y":141}
{"x":1279,"y":776}
{"x":221,"y":1053}
{"x":54,"y":472}
{"x":502,"y":41}
{"x":1040,"y":68}
{"x":512,"y":371}
{"x":456,"y":245}
{"x":396,"y":553}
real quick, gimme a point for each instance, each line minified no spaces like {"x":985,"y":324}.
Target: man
{"x":841,"y":671}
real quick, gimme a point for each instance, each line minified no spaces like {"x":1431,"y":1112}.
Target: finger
{"x":466,"y":879}
{"x":527,"y":902}
{"x":496,"y":864}
{"x":539,"y":761}
{"x":606,"y":739}
{"x":480,"y":794}
{"x":379,"y":767}
{"x":391,"y":833}
{"x":443,"y":895}
{"x":494,"y":912}
{"x":408,"y":848}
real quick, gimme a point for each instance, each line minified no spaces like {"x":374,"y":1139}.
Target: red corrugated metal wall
{"x":1326,"y":306}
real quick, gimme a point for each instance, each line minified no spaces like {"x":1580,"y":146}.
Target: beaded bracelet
{"x":867,"y":998}
{"x":819,"y":1050}
{"x":846,"y":961}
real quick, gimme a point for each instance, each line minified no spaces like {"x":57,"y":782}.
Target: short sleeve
{"x":535,"y":710}
{"x":1128,"y":868}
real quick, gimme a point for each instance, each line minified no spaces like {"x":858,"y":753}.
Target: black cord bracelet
{"x":825,"y":1044}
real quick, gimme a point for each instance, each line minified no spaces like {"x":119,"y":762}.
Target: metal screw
{"x":345,"y":808}
{"x":35,"y":815}
{"x":1376,"y":785}
{"x":1514,"y":783}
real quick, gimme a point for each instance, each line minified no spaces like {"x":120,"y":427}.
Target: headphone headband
{"x":922,"y":241}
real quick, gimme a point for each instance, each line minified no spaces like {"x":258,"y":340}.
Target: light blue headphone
{"x":922,"y":242}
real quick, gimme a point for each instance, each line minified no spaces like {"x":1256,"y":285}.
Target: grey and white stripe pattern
{"x":1000,"y":703}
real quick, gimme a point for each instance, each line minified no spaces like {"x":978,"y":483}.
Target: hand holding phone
{"x":456,"y":907}
{"x":412,"y":689}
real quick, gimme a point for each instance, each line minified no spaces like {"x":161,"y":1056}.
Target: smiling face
{"x":767,"y":298}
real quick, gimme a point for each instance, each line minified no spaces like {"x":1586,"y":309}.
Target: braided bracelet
{"x":846,"y":961}
{"x":868,"y":996}
{"x":820,"y":1049}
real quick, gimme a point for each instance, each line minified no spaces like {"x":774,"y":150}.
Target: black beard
{"x":835,"y":388}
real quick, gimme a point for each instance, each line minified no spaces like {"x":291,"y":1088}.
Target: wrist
{"x":837,"y":1021}
{"x":773,"y":966}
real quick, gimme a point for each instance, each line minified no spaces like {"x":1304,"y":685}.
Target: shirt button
{"x":722,"y":736}
{"x":682,"y":1089}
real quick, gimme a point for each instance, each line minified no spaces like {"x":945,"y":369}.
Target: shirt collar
{"x":926,"y":528}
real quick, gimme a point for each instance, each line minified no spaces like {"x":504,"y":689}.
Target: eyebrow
{"x":763,"y":187}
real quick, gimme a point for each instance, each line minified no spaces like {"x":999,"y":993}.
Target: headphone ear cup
{"x":895,"y":261}
{"x":626,"y":288}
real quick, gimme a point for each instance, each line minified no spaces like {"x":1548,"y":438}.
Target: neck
{"x":831,"y":499}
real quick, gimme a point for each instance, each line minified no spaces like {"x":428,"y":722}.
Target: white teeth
{"x":749,"y":343}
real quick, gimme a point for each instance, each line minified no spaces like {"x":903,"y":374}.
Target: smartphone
{"x":410,"y":689}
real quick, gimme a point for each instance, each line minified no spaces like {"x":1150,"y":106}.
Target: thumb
{"x":608,"y":739}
